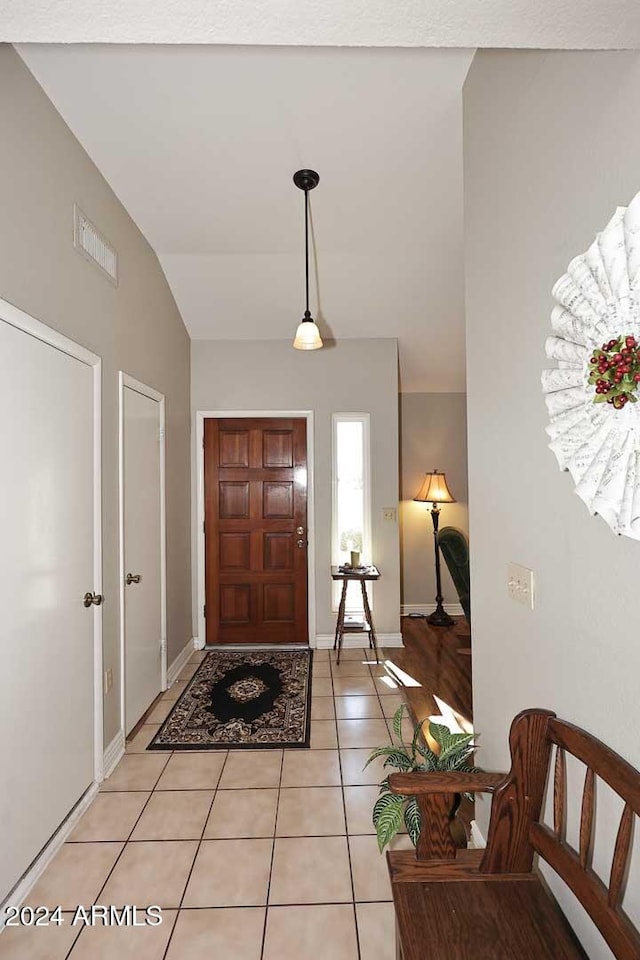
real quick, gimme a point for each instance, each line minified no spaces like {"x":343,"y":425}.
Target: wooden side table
{"x":369,"y":573}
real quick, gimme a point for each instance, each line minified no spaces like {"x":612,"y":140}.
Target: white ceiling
{"x":590,"y":24}
{"x":200,"y":144}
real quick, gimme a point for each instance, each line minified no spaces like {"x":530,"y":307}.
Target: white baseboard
{"x":21,"y":890}
{"x":477,"y":840}
{"x":180,"y":661}
{"x":324,"y":641}
{"x":112,"y":754}
{"x":198,"y":644}
{"x":453,"y":609}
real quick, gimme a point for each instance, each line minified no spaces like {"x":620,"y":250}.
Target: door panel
{"x":255,"y":501}
{"x":46,"y":567}
{"x":142,"y":554}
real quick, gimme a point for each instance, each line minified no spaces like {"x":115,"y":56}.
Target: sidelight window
{"x":351,"y":498}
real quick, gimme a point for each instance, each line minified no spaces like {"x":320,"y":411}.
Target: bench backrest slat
{"x":620,"y":863}
{"x":586,"y":818}
{"x":560,"y":794}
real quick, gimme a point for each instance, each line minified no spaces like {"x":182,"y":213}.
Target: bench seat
{"x":443,"y":916}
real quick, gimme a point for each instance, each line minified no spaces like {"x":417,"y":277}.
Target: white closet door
{"x":142,"y":554}
{"x":46,"y":566}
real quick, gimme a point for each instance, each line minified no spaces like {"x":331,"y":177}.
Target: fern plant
{"x":391,"y":809}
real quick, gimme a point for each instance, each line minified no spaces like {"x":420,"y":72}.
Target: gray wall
{"x":551,"y":148}
{"x":433,"y":435}
{"x":136,"y":327}
{"x":350,"y":376}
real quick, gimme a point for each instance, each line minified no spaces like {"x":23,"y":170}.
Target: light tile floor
{"x":252,"y":855}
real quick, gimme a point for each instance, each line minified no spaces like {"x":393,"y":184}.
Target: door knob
{"x":132,"y":578}
{"x":299,"y":531}
{"x":300,"y":544}
{"x":92,"y":598}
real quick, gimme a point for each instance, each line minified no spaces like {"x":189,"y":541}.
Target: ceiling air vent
{"x":88,"y":241}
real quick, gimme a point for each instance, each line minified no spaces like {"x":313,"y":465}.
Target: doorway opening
{"x":255,"y":528}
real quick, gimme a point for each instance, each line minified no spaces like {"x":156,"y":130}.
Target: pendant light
{"x":307,"y":335}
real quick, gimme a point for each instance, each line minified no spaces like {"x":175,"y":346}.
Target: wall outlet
{"x":520,"y":584}
{"x":389,"y":514}
{"x":108,"y":680}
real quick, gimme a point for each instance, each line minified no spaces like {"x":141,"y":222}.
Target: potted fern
{"x":391,"y":809}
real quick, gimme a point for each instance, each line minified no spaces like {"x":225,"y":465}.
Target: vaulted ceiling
{"x":200,"y":144}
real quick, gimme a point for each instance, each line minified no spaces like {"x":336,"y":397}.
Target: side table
{"x":362,"y":575}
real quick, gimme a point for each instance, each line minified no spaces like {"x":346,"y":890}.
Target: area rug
{"x":252,"y":699}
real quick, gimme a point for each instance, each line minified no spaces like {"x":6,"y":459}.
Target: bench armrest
{"x":417,"y":784}
{"x":434,"y":793}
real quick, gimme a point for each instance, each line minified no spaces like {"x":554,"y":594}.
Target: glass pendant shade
{"x":307,"y":336}
{"x":434,"y":489}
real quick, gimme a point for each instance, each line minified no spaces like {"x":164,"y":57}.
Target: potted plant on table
{"x":453,"y":753}
{"x":351,"y":542}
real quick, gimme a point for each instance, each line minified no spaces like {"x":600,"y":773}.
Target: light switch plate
{"x":389,"y":514}
{"x":520,"y":584}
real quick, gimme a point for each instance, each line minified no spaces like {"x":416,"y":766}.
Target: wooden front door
{"x":255,"y":487}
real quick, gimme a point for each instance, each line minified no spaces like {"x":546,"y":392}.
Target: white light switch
{"x":520,"y":584}
{"x":389,"y":514}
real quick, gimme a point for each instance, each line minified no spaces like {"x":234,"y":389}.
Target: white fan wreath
{"x":591,"y":394}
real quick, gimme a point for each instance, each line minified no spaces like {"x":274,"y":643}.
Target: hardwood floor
{"x":431,"y":657}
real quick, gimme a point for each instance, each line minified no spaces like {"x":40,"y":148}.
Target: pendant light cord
{"x":306,"y":249}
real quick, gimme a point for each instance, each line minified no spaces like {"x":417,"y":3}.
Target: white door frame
{"x":201,"y":416}
{"x":124,"y":380}
{"x":22,"y":321}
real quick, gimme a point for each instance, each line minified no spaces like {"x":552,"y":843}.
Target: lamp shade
{"x":307,"y":336}
{"x":434,"y":489}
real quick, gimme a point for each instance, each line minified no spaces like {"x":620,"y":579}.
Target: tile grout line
{"x":273,"y":847}
{"x":379,"y":696}
{"x":346,"y":823}
{"x":124,"y":845}
{"x":193,"y":862}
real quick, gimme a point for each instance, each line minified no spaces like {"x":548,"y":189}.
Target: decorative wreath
{"x":591,"y":394}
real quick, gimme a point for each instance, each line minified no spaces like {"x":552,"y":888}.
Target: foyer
{"x":254,"y":855}
{"x":152,"y":277}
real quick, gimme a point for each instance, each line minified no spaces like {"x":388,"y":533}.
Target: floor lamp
{"x":434,"y":490}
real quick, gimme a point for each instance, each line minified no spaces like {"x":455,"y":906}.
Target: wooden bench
{"x":492,"y":904}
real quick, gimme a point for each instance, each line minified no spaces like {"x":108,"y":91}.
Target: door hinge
{"x":160,"y":433}
{"x":204,"y":527}
{"x":204,"y":611}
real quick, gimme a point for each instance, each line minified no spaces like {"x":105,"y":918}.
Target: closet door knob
{"x":92,"y":598}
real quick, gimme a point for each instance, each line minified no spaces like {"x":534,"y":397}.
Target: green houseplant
{"x":391,"y":809}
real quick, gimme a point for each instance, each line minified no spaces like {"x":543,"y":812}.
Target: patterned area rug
{"x":238,"y":699}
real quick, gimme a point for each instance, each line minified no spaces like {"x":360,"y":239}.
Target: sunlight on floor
{"x":406,"y":680}
{"x":448,"y":717}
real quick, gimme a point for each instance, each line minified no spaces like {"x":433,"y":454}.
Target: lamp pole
{"x":439,"y":617}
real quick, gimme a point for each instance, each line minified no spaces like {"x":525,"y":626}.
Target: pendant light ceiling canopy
{"x":307,"y":335}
